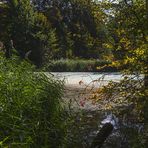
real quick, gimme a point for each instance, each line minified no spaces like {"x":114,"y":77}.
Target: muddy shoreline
{"x":88,"y":117}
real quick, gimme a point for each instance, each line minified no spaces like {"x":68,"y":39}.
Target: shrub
{"x":79,"y":65}
{"x":30,"y":109}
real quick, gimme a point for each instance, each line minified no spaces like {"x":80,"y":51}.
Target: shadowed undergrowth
{"x":30,"y":109}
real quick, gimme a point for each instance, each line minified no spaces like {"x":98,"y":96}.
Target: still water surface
{"x":92,"y":118}
{"x":73,"y":78}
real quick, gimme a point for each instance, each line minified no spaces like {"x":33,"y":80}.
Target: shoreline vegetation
{"x":39,"y":36}
{"x":31,"y":114}
{"x":80,"y":65}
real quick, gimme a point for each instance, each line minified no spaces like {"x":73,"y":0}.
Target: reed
{"x":79,"y":65}
{"x":30,"y":109}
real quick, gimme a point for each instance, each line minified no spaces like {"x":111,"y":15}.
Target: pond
{"x":80,"y":85}
{"x":91,"y":116}
{"x":74,"y":78}
{"x":90,"y":78}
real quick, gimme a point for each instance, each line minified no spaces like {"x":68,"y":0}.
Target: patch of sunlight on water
{"x":87,"y":77}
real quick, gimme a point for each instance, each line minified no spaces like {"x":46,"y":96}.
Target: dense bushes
{"x":79,"y":65}
{"x":30,"y":111}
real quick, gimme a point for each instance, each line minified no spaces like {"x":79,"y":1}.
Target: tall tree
{"x":76,"y":21}
{"x":27,"y":29}
{"x":21,"y":16}
{"x":128,"y":31}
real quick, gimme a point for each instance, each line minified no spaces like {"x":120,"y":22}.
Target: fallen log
{"x":102,"y":135}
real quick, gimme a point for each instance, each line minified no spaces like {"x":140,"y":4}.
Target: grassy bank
{"x":79,"y":65}
{"x":30,"y":109}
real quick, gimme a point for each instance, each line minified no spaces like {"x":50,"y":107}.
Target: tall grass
{"x":79,"y":65}
{"x":30,"y":109}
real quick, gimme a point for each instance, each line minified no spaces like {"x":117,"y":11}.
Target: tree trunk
{"x":146,"y":74}
{"x":146,"y":80}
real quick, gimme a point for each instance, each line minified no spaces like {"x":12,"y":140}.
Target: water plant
{"x":79,"y":65}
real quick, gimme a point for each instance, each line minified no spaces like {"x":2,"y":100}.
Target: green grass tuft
{"x":30,"y":109}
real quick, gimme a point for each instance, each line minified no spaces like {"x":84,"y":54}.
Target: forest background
{"x":70,"y":35}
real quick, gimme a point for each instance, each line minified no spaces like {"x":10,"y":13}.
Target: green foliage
{"x":79,"y":29}
{"x":3,"y":22}
{"x":128,"y":38}
{"x":40,"y":38}
{"x":27,"y":29}
{"x":54,"y":51}
{"x":21,"y":17}
{"x":30,"y":109}
{"x":128,"y":35}
{"x":79,"y":65}
{"x":57,"y":29}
